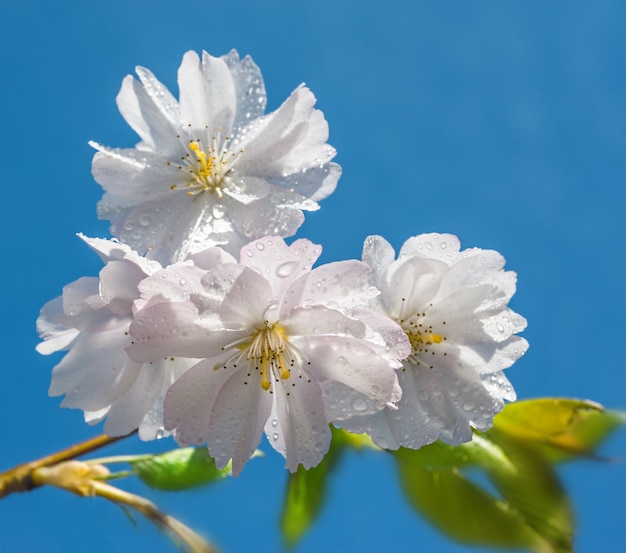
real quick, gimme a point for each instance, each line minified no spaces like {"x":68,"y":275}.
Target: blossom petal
{"x":92,"y":382}
{"x":297,"y":427}
{"x":207,"y":92}
{"x":146,"y":117}
{"x":237,"y":420}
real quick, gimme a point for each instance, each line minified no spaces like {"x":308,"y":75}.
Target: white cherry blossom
{"x":91,"y":320}
{"x":452,"y":305}
{"x":211,"y":168}
{"x":275,"y":341}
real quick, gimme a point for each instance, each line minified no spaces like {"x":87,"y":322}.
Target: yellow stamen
{"x":265,"y":383}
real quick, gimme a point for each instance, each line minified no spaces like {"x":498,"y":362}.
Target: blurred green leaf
{"x":179,"y":469}
{"x":460,"y":508}
{"x":530,"y":486}
{"x":306,"y":489}
{"x":563,"y":428}
{"x":478,"y":452}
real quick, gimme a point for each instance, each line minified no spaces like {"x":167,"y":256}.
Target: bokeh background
{"x":503,"y":122}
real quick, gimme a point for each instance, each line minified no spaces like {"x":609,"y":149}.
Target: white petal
{"x":189,"y":401}
{"x":207,"y":93}
{"x":297,"y":427}
{"x":146,"y":118}
{"x":378,"y":254}
{"x":276,"y":135}
{"x":239,"y":414}
{"x":133,"y":177}
{"x":295,"y":260}
{"x":175,"y":329}
{"x":95,"y":372}
{"x":56,"y":336}
{"x":249,"y":87}
{"x":351,"y":362}
{"x":443,"y":247}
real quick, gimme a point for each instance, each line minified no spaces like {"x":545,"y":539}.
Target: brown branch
{"x":18,"y":479}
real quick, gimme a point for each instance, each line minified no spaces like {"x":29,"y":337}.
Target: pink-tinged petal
{"x":353,"y":363}
{"x":298,"y":428}
{"x":413,"y":283}
{"x":343,"y":403}
{"x":81,"y":296}
{"x":239,"y":414}
{"x":442,"y":247}
{"x":210,"y":258}
{"x":378,"y":254}
{"x":175,"y":283}
{"x":146,"y":118}
{"x":247,"y":298}
{"x":175,"y":329}
{"x":384,"y":333}
{"x":342,"y":284}
{"x":127,"y":413}
{"x":107,"y":250}
{"x":295,"y":260}
{"x":118,"y":286}
{"x":55,"y":336}
{"x":318,"y":320}
{"x":189,"y":401}
{"x":95,"y":372}
{"x":207,"y":92}
{"x":142,"y":406}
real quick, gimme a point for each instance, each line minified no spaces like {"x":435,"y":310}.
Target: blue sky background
{"x":502,"y":122}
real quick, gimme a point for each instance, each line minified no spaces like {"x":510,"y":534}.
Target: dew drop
{"x":500,"y":328}
{"x":144,"y":219}
{"x":275,"y":436}
{"x":274,"y":423}
{"x":260,"y":246}
{"x":359,"y":404}
{"x":160,"y":433}
{"x":286,"y":269}
{"x":219,"y":211}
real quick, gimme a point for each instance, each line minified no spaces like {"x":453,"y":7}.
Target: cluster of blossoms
{"x":206,"y":325}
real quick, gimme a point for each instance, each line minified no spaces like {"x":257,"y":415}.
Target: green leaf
{"x":478,"y":452}
{"x":563,"y":428}
{"x":306,"y":489}
{"x":460,"y":508}
{"x":530,"y":486}
{"x":179,"y":469}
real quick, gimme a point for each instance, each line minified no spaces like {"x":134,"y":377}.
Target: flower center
{"x":267,"y":350}
{"x":423,"y":339}
{"x":207,"y":165}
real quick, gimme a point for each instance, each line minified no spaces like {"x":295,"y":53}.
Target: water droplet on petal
{"x":275,"y":436}
{"x":500,"y":328}
{"x":218,"y":211}
{"x":260,"y":246}
{"x":359,"y":404}
{"x":160,"y":433}
{"x":286,"y":269}
{"x":144,"y":219}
